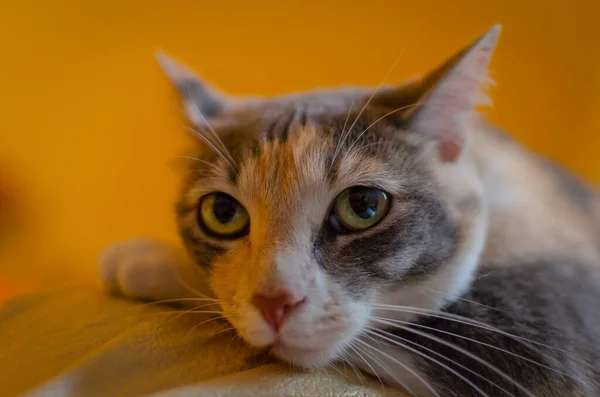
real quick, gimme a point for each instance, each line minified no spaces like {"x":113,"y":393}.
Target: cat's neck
{"x":535,"y":209}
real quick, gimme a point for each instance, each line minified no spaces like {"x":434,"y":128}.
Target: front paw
{"x":137,"y":268}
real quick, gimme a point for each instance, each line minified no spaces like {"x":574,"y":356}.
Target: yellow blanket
{"x":80,"y":342}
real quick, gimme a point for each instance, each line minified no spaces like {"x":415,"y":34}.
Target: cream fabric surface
{"x":80,"y":342}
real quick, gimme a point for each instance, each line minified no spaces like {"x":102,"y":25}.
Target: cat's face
{"x":310,"y":211}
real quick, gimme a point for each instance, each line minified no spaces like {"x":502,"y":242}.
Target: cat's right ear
{"x":201,"y":101}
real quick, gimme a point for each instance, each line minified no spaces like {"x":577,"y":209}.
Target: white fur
{"x":144,"y":268}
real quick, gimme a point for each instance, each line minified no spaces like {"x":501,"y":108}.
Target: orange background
{"x":91,"y":129}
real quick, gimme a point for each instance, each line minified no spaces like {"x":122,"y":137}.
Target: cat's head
{"x":312,"y":211}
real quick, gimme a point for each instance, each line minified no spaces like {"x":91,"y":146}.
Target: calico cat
{"x":392,"y":228}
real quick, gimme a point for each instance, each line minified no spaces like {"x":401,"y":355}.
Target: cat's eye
{"x":222,"y":216}
{"x":359,"y":208}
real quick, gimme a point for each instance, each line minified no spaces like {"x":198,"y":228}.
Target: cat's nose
{"x":276,"y":308}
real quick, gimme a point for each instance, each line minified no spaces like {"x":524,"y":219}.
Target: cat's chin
{"x":305,"y":357}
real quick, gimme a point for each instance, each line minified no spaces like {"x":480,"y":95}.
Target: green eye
{"x":221,"y":215}
{"x":359,"y":208}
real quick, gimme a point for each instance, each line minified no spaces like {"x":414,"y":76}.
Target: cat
{"x":393,"y":228}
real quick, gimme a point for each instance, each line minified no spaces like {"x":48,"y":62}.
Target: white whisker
{"x":213,"y":166}
{"x":344,"y":137}
{"x":339,"y":372}
{"x":406,"y":367}
{"x":376,"y":121}
{"x":338,"y":143}
{"x":436,"y":361}
{"x":355,"y":350}
{"x":204,"y":322}
{"x":469,"y":301}
{"x":212,"y":145}
{"x":463,"y":351}
{"x":385,"y":367}
{"x":176,"y":300}
{"x":465,"y":320}
{"x":189,"y":288}
{"x":223,"y":147}
{"x":176,"y":312}
{"x":447,"y":358}
{"x":478,"y":324}
{"x":193,"y":310}
{"x":347,"y":117}
{"x":236,"y":336}
{"x":224,"y":330}
{"x":357,"y":372}
{"x":474,"y":341}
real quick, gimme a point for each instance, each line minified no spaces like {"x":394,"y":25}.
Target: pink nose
{"x":275,"y":309}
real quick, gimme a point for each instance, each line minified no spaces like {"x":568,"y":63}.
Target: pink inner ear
{"x":447,"y":110}
{"x":483,"y":58}
{"x":449,"y":151}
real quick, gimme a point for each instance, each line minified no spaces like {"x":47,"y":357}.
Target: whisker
{"x":212,"y":145}
{"x":225,"y":330}
{"x":134,"y":311}
{"x":479,"y":324}
{"x":470,"y":301}
{"x":175,"y":300}
{"x":236,"y":336}
{"x":345,"y":376}
{"x":377,"y":121}
{"x":466,"y":321}
{"x":389,"y":72}
{"x":378,"y":143}
{"x":357,"y":372}
{"x":193,"y":310}
{"x":371,"y":338}
{"x":189,"y":288}
{"x":177,"y":312}
{"x":406,"y":367}
{"x":449,"y":359}
{"x":213,"y":166}
{"x":465,"y":352}
{"x":212,"y":172}
{"x":204,"y":322}
{"x":197,"y":109}
{"x":218,"y":330}
{"x":338,"y":143}
{"x":209,"y":175}
{"x":355,"y":350}
{"x":474,"y":341}
{"x":348,"y":116}
{"x":386,"y":369}
{"x":436,"y":361}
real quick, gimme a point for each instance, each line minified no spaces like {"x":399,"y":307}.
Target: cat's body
{"x":467,"y":223}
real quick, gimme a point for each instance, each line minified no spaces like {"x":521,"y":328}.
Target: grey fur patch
{"x":198,"y":94}
{"x":409,"y":248}
{"x":548,"y":305}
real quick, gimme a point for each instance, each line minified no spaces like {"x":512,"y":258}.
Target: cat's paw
{"x":138,"y":268}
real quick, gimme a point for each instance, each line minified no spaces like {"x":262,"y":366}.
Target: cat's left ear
{"x":201,"y":100}
{"x":449,"y":97}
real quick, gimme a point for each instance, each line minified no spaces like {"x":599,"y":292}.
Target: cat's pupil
{"x":364,"y":201}
{"x":225,"y":208}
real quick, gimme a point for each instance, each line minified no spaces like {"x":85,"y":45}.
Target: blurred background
{"x":91,"y":129}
